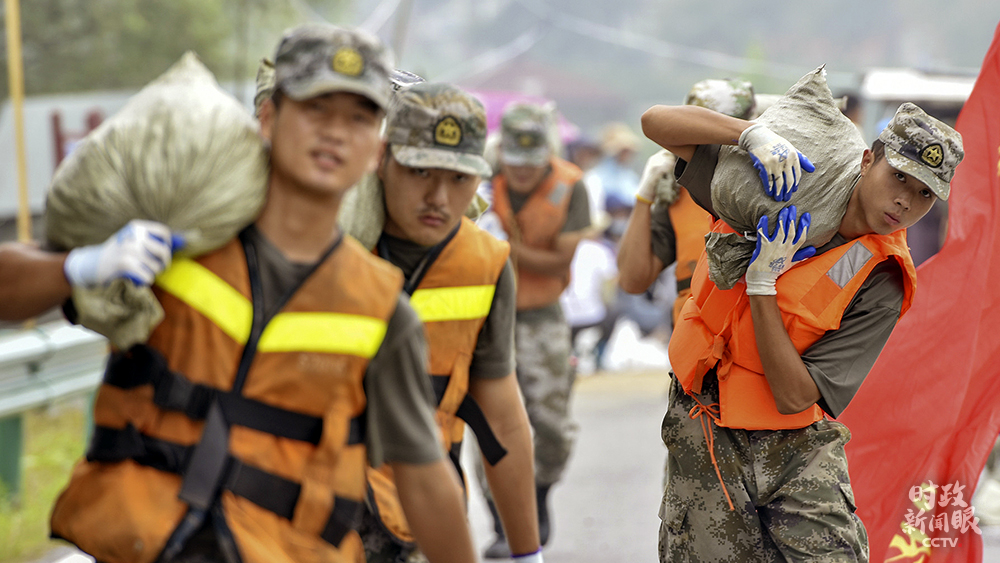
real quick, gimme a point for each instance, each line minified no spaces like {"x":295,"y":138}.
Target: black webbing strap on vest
{"x":683,"y":283}
{"x":203,"y":473}
{"x":143,"y":365}
{"x":422,"y":267}
{"x":470,"y":412}
{"x":267,"y":490}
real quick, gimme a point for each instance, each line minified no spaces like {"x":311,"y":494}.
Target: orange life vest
{"x":270,"y":417}
{"x":453,"y":300}
{"x":715,"y":329}
{"x":537,"y":225}
{"x":691,"y":223}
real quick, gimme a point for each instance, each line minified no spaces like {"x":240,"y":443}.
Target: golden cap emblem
{"x":525,"y":141}
{"x":448,"y":132}
{"x":932,"y":155}
{"x":348,"y":61}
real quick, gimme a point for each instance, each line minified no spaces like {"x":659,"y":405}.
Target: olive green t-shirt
{"x":494,"y":353}
{"x":400,"y":412}
{"x":841,"y":360}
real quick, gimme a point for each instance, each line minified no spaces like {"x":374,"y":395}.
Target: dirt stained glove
{"x":657,"y":182}
{"x":779,"y":164}
{"x":138,"y":252}
{"x":775,"y":254}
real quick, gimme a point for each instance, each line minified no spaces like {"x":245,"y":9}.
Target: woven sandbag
{"x":182,"y":152}
{"x":809,"y":118}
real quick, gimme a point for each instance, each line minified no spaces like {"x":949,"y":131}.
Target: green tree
{"x":73,"y":45}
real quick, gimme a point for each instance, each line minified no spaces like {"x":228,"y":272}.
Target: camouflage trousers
{"x":790,"y":489}
{"x":546,"y":380}
{"x":380,"y":547}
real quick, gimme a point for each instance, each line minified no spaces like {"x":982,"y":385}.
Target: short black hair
{"x":878,"y":150}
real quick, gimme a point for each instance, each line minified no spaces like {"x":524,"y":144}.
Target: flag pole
{"x":15,"y":77}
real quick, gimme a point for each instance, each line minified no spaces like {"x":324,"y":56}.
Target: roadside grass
{"x":53,"y":442}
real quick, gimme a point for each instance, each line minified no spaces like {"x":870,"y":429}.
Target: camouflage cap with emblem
{"x":524,"y":135}
{"x":734,"y":98}
{"x":316,"y":59}
{"x":923,"y":147}
{"x":434,"y":125}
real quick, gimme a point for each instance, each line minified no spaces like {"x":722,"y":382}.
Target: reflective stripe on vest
{"x":848,"y":265}
{"x":453,"y":303}
{"x":227,"y":308}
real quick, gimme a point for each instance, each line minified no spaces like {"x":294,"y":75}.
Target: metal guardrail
{"x":37,"y":367}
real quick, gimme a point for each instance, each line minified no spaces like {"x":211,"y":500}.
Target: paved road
{"x":605,"y":509}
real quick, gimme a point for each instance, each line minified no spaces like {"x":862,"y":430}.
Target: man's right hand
{"x":138,"y":252}
{"x":657,"y":178}
{"x":779,"y":164}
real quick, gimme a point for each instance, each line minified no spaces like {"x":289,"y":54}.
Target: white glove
{"x":774,"y":255}
{"x":535,"y":557}
{"x":138,"y":251}
{"x":779,"y":164}
{"x":658,"y":179}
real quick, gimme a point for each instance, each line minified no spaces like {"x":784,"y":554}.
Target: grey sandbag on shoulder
{"x":808,"y":117}
{"x":182,"y":152}
{"x":362,"y":211}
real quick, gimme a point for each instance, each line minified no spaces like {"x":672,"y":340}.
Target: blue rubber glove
{"x":138,"y":252}
{"x":779,"y":164}
{"x":776,"y":253}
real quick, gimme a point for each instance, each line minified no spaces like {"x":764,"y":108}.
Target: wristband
{"x":643,"y":199}
{"x":535,"y":557}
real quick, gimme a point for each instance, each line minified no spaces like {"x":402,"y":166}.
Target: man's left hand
{"x":776,"y":253}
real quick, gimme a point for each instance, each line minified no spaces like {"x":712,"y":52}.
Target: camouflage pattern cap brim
{"x":516,"y":156}
{"x":940,"y":188}
{"x":523,"y":138}
{"x":433,"y":125}
{"x":317,"y":59}
{"x":923,"y":147}
{"x":421,"y":157}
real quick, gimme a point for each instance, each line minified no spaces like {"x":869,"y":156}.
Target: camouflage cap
{"x":923,"y":147}
{"x":265,"y":84}
{"x":438,"y":126}
{"x":315,"y":59}
{"x":734,"y":98}
{"x":524,"y":135}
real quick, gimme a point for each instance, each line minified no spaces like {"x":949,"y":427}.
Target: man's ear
{"x":867,"y":158}
{"x":381,"y":154}
{"x":266,"y":116}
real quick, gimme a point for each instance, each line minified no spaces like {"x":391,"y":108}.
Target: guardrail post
{"x":11,"y":443}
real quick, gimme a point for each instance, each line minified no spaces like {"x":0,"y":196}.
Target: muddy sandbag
{"x":810,"y":119}
{"x":182,"y":152}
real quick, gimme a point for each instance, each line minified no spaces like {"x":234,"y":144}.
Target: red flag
{"x":930,"y":410}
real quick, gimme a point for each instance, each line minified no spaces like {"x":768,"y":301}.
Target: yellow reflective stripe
{"x":334,"y":333}
{"x":453,"y":303}
{"x":208,"y":294}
